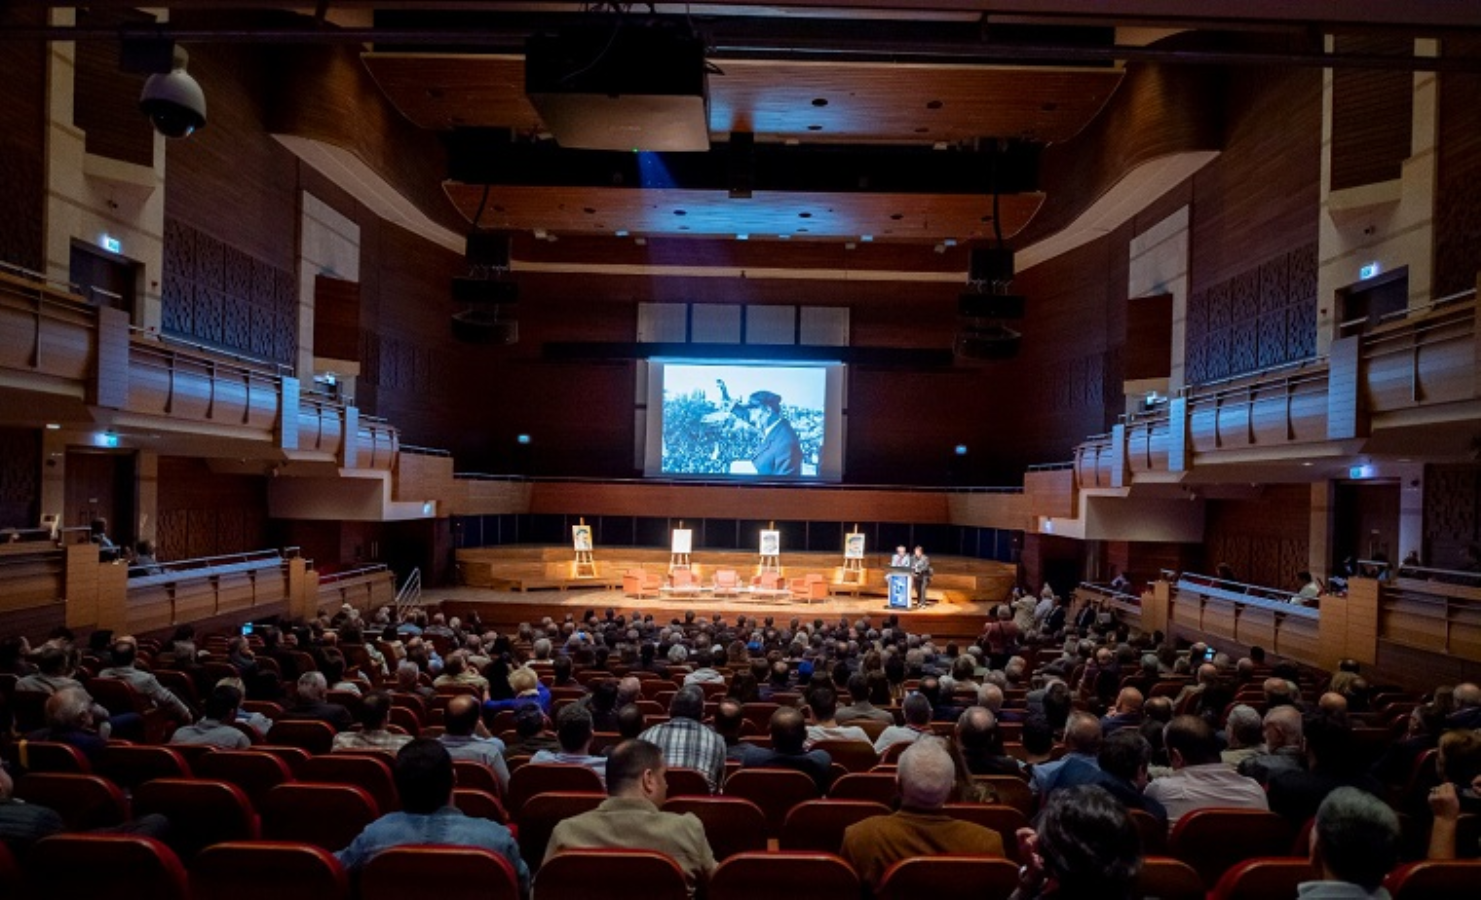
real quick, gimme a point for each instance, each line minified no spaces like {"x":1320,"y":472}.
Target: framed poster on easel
{"x":681,"y":541}
{"x":585,"y":566}
{"x":853,"y":557}
{"x":771,"y":550}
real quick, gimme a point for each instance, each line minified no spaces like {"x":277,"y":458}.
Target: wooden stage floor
{"x":506,"y":608}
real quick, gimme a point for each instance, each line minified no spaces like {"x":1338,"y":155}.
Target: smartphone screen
{"x":247,"y":629}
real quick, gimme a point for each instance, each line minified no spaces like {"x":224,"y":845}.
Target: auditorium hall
{"x":1052,"y":348}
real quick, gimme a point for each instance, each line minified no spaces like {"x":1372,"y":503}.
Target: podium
{"x":899,"y":582}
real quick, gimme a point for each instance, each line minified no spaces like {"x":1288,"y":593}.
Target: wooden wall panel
{"x":1158,"y":110}
{"x":20,"y":478}
{"x":206,"y":513}
{"x":23,"y":141}
{"x":231,"y":180}
{"x":1458,"y":193}
{"x":1265,"y":540}
{"x":105,"y":99}
{"x":216,"y":294}
{"x":1263,"y":316}
{"x":1067,"y":381}
{"x":336,"y":318}
{"x":1452,"y":513}
{"x":1260,"y":198}
{"x":1371,"y":113}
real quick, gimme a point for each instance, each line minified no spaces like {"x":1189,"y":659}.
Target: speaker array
{"x":986,"y":305}
{"x":488,"y":308}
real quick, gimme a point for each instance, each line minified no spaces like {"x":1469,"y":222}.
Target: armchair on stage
{"x":768,"y":583}
{"x":638,"y":583}
{"x":809,"y":587}
{"x":726,"y":584}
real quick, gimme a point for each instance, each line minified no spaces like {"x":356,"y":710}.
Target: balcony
{"x":74,"y":360}
{"x":1408,"y":374}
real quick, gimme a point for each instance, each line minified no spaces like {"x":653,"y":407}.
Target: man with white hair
{"x":312,"y":690}
{"x":1285,"y":748}
{"x":926,"y":777}
{"x":1244,"y":735}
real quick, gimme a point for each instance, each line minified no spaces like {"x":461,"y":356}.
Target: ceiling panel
{"x":852,"y":102}
{"x":799,"y":215}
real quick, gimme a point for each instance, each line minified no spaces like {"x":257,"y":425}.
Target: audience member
{"x":1085,"y":848}
{"x":1284,"y":747}
{"x":860,"y":706}
{"x":916,"y":711}
{"x":124,"y":653}
{"x":630,"y":818}
{"x":1126,"y":714}
{"x":788,"y":750}
{"x":981,"y":744}
{"x":1354,"y":844}
{"x":215,"y":727}
{"x":1200,"y":780}
{"x":685,"y":741}
{"x":461,"y":727}
{"x":822,"y":702}
{"x":312,"y":689}
{"x":424,"y":784}
{"x":1243,"y":735}
{"x":1082,"y":737}
{"x":926,"y":777}
{"x":573,"y":732}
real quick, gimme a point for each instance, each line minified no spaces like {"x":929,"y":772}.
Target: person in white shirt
{"x":1311,"y":589}
{"x":1200,"y":779}
{"x":823,"y":703}
{"x":917,"y":711}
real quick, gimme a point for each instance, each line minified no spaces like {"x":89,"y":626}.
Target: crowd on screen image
{"x":695,"y":444}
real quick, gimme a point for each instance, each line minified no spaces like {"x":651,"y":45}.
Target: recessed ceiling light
{"x":53,"y":426}
{"x":1308,"y":464}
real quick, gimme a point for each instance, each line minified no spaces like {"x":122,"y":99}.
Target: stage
{"x":504,"y":609}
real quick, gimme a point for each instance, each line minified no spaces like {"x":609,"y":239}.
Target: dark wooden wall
{"x":20,"y":478}
{"x":1452,"y":513}
{"x":205,"y":513}
{"x":106,"y":99}
{"x":1372,"y":111}
{"x":1266,"y":540}
{"x":23,"y":141}
{"x":1458,"y":194}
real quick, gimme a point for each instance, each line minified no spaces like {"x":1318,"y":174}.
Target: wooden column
{"x":1156,"y":607}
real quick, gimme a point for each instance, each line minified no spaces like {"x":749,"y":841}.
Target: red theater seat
{"x":942,"y":876}
{"x":84,"y":802}
{"x":621,"y":874}
{"x":776,"y":791}
{"x":267,"y":870}
{"x":818,"y":825}
{"x":447,"y":873}
{"x":732,"y":824}
{"x":201,"y":812}
{"x":253,"y":771}
{"x":1258,"y":879}
{"x":816,"y":876}
{"x":325,"y":815}
{"x":116,"y":866}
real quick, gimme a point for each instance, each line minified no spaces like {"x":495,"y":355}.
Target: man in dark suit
{"x":920,"y":567}
{"x":780,"y":452}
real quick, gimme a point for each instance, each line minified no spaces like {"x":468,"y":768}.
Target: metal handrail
{"x":410,"y":595}
{"x":251,"y":362}
{"x":736,"y":483}
{"x":1189,"y":389}
{"x":332,"y":577}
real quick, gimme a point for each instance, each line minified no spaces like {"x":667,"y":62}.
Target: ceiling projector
{"x":623,"y":86}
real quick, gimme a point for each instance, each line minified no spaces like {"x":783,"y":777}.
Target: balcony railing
{"x":61,"y":344}
{"x":1425,"y":360}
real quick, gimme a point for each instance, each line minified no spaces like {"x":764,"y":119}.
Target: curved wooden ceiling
{"x":816,"y":102}
{"x":926,"y":218}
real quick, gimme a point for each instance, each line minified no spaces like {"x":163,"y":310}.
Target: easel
{"x":770,"y":562}
{"x":585,"y":566}
{"x":853,"y":568}
{"x":679,"y":560}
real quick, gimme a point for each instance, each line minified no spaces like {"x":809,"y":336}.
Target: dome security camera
{"x":174,"y":101}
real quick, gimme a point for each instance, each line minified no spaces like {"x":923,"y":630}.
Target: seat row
{"x":91,"y":865}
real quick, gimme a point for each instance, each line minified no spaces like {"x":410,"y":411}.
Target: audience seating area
{"x":265,"y":821}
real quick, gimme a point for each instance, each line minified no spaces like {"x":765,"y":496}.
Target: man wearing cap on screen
{"x":780,"y":452}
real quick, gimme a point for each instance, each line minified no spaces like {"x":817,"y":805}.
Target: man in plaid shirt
{"x":686,"y":742}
